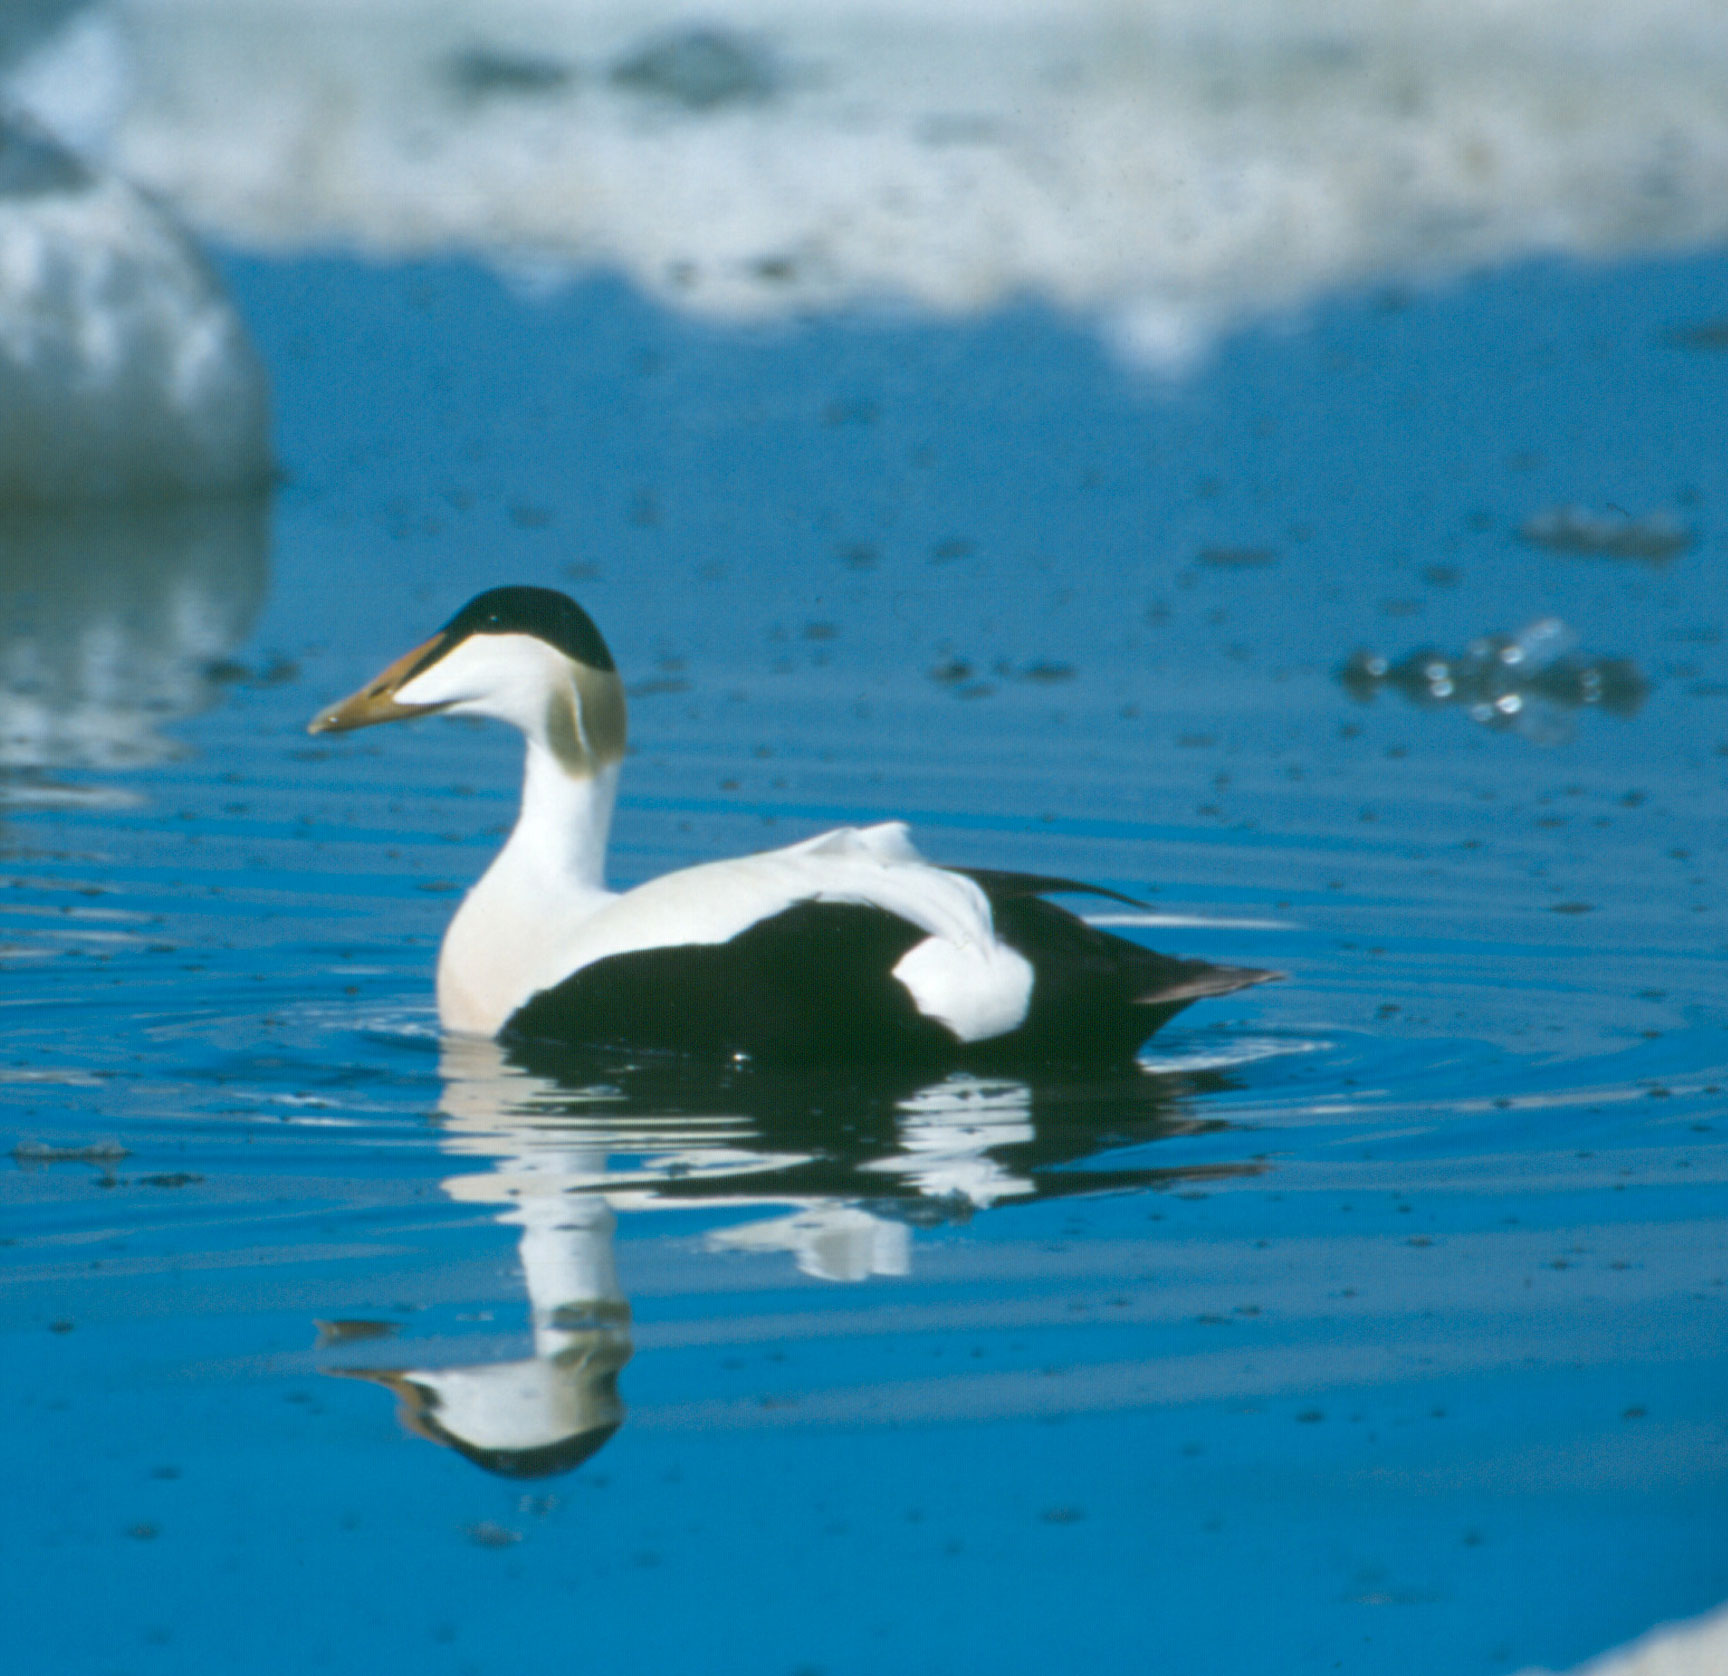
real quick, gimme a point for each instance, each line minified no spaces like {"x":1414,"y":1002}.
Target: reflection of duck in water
{"x":548,"y":1412}
{"x":849,"y":1166}
{"x":847,"y":947}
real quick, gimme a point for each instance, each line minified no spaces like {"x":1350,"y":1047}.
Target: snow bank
{"x":1169,"y":166}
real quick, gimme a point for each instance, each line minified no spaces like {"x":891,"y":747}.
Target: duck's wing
{"x":826,"y":953}
{"x":850,"y":946}
{"x":811,"y":983}
{"x":770,"y":954}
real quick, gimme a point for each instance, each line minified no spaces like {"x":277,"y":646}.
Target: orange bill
{"x":376,"y":701}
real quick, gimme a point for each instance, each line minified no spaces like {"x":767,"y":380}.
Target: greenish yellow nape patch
{"x":585,"y":722}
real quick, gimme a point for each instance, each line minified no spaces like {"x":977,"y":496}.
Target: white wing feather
{"x":961,"y":974}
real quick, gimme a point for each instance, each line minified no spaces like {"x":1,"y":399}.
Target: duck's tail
{"x":1199,"y":979}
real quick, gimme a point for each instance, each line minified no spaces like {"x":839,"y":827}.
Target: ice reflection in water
{"x":852,"y":1166}
{"x":114,"y":620}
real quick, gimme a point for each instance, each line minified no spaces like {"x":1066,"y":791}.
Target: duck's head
{"x":528,"y":656}
{"x":526,"y":1419}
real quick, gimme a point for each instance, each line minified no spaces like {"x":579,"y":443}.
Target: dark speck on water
{"x":486,"y":1534}
{"x":100,"y":1152}
{"x":1612,"y":534}
{"x":354,"y":1332}
{"x":1064,"y":1515}
{"x":1707,"y":334}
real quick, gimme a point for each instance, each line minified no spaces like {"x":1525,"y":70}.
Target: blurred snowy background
{"x":1170,"y":167}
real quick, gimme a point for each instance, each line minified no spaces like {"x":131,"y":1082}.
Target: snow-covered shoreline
{"x":1167,"y":168}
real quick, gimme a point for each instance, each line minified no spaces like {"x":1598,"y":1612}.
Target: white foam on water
{"x":1243,"y":1050}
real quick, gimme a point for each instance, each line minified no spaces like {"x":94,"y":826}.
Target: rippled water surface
{"x":1378,"y":1322}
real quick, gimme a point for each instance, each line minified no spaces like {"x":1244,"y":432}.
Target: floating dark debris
{"x":353,"y":1331}
{"x":488,"y":1535}
{"x":1047,"y":674}
{"x":1611,"y":535}
{"x":1707,"y":334}
{"x":1236,"y":558}
{"x":103,"y":1152}
{"x":278,"y":672}
{"x":1526,"y":681}
{"x":960,"y":675}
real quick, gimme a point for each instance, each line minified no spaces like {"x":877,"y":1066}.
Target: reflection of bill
{"x":850,"y":1166}
{"x":548,"y":1412}
{"x":116,"y":619}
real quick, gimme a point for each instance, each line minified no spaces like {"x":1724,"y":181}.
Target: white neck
{"x":504,"y":944}
{"x":559,"y":841}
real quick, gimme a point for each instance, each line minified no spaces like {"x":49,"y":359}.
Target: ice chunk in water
{"x":125,"y":373}
{"x":1527,"y":681}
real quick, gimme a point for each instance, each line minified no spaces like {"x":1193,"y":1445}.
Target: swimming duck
{"x":849,"y":946}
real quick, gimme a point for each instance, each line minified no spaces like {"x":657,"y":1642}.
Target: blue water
{"x":1380,"y":1322}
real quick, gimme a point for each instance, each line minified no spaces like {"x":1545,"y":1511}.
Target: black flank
{"x":815,"y":985}
{"x":810,"y":985}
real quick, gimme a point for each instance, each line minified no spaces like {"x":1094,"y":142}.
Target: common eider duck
{"x":848,"y":947}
